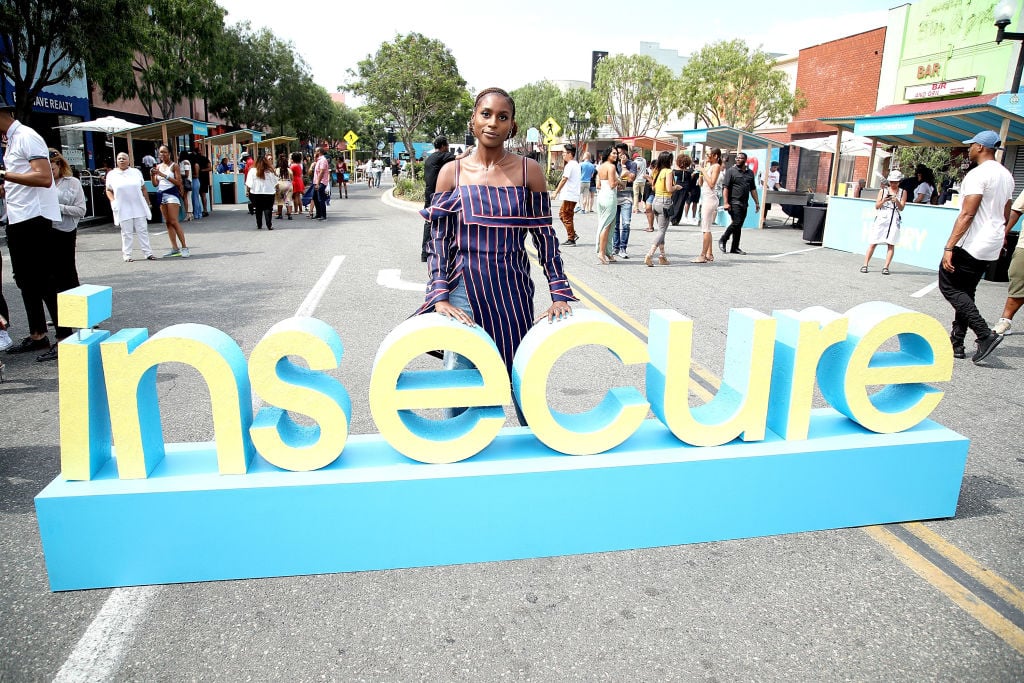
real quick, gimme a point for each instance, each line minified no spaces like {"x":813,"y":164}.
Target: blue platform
{"x":375,"y":509}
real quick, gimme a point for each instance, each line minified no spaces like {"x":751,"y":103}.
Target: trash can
{"x":814,"y":224}
{"x":998,"y":271}
{"x":154,"y":205}
{"x":227,"y":193}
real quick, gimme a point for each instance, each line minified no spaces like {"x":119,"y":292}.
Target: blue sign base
{"x":375,"y":509}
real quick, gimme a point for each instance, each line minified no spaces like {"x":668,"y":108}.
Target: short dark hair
{"x":440,"y":141}
{"x":570,"y":148}
{"x":622,"y":145}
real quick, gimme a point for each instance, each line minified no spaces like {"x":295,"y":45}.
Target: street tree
{"x":172,"y":60}
{"x":729,"y":84}
{"x":580,"y":102}
{"x":639,"y":94}
{"x":249,"y":68}
{"x":409,"y":80}
{"x":47,"y":43}
{"x":452,"y":124}
{"x":535,"y":102}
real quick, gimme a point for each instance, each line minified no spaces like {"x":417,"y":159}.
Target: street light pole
{"x":1004,"y":14}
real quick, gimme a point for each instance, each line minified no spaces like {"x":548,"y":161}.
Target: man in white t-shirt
{"x":32,"y":207}
{"x":975,"y":242}
{"x":569,"y":190}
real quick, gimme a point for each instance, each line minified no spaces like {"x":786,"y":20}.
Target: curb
{"x":394,"y":202}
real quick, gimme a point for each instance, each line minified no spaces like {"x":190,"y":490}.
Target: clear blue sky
{"x":509,"y":44}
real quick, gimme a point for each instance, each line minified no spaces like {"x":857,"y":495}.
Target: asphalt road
{"x":849,"y":604}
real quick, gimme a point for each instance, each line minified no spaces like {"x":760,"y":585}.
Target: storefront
{"x":60,"y":105}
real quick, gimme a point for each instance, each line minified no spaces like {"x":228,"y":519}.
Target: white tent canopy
{"x":105,"y":124}
{"x":852,"y":146}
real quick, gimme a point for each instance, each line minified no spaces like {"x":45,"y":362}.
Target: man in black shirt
{"x":201,"y":169}
{"x":431,"y":168}
{"x":738,"y":183}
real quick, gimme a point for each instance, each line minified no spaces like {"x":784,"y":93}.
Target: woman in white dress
{"x":126,"y":191}
{"x":710,"y":182}
{"x":886,"y":228}
{"x":607,"y":181}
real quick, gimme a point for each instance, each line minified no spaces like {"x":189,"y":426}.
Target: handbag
{"x":187,"y":184}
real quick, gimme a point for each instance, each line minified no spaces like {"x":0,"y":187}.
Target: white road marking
{"x":312,"y":299}
{"x":924,"y":290}
{"x":101,"y":648}
{"x":392,"y":279}
{"x":800,"y":251}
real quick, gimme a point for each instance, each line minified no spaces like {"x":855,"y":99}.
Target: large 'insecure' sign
{"x":272,"y":497}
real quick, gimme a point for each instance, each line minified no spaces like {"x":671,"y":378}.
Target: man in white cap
{"x":32,"y":207}
{"x":975,"y":242}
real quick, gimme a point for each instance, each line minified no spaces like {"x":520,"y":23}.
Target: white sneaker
{"x":184,"y":252}
{"x":1003,"y":326}
{"x":623,"y":254}
{"x":5,"y":340}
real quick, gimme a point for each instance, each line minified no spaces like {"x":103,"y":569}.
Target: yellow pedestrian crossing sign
{"x":550,"y":128}
{"x":350,"y":138}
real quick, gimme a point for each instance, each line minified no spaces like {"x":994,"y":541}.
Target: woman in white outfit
{"x":607,"y":180}
{"x":891,"y":201}
{"x":126,"y":191}
{"x":710,"y":186}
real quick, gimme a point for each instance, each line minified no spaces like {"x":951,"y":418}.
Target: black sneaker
{"x":738,"y":251}
{"x":29,"y":344}
{"x":959,"y":352}
{"x":569,"y":243}
{"x":721,"y":245}
{"x":986,"y":346}
{"x":49,"y":355}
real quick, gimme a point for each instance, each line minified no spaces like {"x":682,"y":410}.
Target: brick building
{"x":836,"y":78}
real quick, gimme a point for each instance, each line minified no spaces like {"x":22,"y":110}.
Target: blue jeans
{"x":320,"y":201}
{"x":623,"y":217}
{"x":455,"y":361}
{"x":197,"y":200}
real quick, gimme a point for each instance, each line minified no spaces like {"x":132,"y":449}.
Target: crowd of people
{"x":44,"y":202}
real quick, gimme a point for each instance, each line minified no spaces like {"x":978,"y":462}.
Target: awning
{"x":163,"y":131}
{"x":652,"y":143}
{"x":241,"y":137}
{"x":725,"y":137}
{"x":270,"y":143}
{"x":943,"y":123}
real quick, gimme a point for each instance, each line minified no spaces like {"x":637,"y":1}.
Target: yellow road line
{"x":959,"y":594}
{"x":699,"y":369}
{"x":963,"y":598}
{"x":986,"y":577}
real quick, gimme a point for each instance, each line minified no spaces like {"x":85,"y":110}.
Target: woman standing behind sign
{"x":886,"y":230}
{"x":484,"y":207}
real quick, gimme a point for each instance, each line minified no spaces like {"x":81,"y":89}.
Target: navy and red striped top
{"x":477,"y":233}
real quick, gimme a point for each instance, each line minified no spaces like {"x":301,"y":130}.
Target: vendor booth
{"x":759,"y":156}
{"x":229,"y":187}
{"x":942,"y":124}
{"x":164,"y":132}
